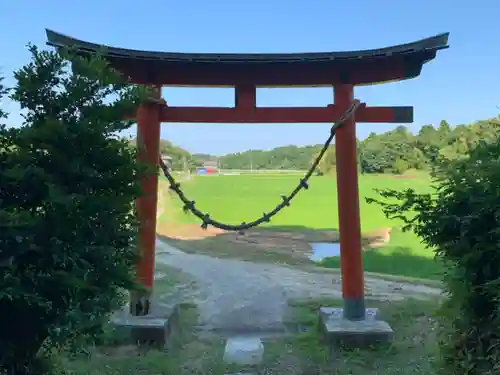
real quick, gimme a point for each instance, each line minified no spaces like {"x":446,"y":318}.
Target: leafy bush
{"x":67,"y":221}
{"x":461,"y":221}
{"x":3,"y":91}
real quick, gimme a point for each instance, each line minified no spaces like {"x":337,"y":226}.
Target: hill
{"x":398,"y":150}
{"x":394,"y":151}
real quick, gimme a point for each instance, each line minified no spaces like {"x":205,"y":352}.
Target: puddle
{"x":322,"y":250}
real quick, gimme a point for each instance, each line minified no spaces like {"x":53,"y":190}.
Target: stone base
{"x":338,"y":331}
{"x":147,"y":330}
{"x":243,"y":351}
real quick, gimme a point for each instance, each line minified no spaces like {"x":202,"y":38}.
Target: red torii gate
{"x":245,"y":72}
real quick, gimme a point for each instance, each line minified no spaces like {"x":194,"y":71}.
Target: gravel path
{"x":234,"y":295}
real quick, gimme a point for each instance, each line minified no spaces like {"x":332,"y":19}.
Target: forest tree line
{"x":394,"y":151}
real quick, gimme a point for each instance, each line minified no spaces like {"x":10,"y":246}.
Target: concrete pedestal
{"x":338,"y":331}
{"x":147,"y":330}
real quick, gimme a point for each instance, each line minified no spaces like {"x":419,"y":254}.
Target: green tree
{"x":377,"y":153}
{"x":328,"y":162}
{"x":180,"y":157}
{"x":67,"y":223}
{"x":400,"y":166}
{"x":372,"y":157}
{"x":461,"y":222}
{"x":444,"y":129}
{"x":3,"y":92}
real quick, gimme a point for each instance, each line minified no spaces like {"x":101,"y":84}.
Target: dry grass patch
{"x":290,"y":246}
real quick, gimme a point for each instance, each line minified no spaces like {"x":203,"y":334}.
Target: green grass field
{"x":233,"y":199}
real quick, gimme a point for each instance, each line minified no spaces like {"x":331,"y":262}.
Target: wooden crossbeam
{"x":247,"y":114}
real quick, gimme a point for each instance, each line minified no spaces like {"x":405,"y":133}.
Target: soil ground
{"x":237,"y":295}
{"x":295,"y":243}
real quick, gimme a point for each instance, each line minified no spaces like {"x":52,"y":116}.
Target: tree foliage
{"x":3,"y":92}
{"x":67,"y":221}
{"x":394,"y":151}
{"x":461,"y":221}
{"x":328,"y":162}
{"x":180,"y":157}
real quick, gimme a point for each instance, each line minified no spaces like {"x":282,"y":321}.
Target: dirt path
{"x":235,"y":295}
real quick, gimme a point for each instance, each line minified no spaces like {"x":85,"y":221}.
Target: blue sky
{"x":461,"y":85}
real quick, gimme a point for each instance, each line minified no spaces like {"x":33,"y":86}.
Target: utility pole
{"x":187,"y":171}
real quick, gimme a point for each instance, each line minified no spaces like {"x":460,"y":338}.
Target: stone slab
{"x":243,"y":350}
{"x":147,"y":330}
{"x":338,"y":331}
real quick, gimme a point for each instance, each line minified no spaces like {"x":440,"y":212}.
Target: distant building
{"x":209,"y":167}
{"x":214,"y":164}
{"x":166,"y":159}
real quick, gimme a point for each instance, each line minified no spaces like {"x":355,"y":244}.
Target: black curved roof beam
{"x":284,"y":69}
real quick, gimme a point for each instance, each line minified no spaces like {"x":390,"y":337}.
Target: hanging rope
{"x":190,"y":206}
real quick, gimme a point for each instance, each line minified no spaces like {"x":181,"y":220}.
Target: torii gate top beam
{"x":265,"y":70}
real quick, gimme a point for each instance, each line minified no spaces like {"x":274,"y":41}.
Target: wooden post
{"x":148,"y":144}
{"x":245,"y":97}
{"x":348,"y":205}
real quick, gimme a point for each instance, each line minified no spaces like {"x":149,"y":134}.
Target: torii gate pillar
{"x":348,"y":208}
{"x":148,"y":151}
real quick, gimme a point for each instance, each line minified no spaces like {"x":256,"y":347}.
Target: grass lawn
{"x":233,"y":199}
{"x":413,"y":351}
{"x":398,"y":258}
